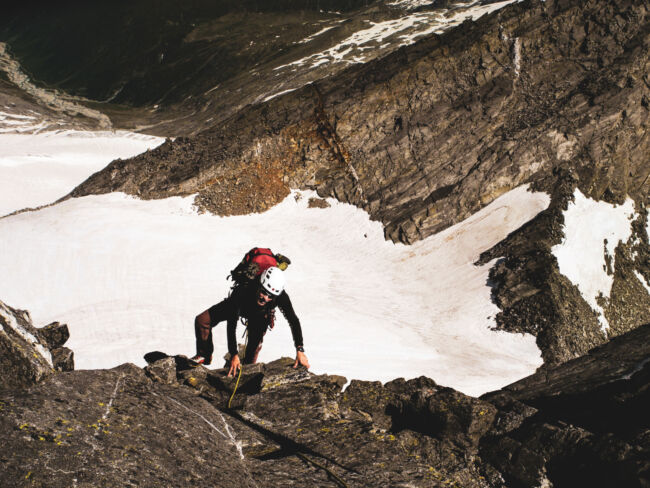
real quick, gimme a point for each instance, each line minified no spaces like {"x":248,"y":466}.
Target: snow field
{"x":37,"y":169}
{"x":642,"y":280}
{"x":129,"y":276}
{"x":592,"y":231}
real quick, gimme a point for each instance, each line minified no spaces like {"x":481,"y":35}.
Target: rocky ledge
{"x":28,"y":354}
{"x":535,"y":298}
{"x":582,"y":423}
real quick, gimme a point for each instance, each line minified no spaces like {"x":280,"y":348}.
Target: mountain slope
{"x":425,"y":136}
{"x":172,"y":69}
{"x":549,"y":93}
{"x":131,"y":275}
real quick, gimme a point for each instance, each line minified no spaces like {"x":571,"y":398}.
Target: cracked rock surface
{"x":175,"y":425}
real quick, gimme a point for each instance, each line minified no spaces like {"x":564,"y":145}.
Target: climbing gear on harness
{"x":283,"y":261}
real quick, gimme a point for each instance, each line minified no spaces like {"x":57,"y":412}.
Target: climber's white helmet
{"x":273,"y":280}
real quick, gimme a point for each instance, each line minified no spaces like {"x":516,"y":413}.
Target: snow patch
{"x":410,"y":4}
{"x":410,"y":27}
{"x":278,"y":94}
{"x":517,"y":56}
{"x":592,"y":231}
{"x":25,"y":118}
{"x":53,"y":99}
{"x":645,"y":284}
{"x":314,"y":36}
{"x":37,"y":169}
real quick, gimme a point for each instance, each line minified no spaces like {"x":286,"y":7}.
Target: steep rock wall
{"x":431,"y":133}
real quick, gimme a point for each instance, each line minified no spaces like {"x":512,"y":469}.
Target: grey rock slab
{"x":116,"y":428}
{"x":584,"y":420}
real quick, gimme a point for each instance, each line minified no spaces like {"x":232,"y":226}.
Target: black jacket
{"x":244,"y":304}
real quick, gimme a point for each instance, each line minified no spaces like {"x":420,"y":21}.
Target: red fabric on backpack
{"x":261,"y":256}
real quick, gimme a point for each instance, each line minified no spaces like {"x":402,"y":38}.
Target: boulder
{"x":54,"y":334}
{"x":63,"y":359}
{"x":24,"y":359}
{"x":163,"y":371}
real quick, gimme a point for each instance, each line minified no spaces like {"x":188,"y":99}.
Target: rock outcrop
{"x":171,"y":424}
{"x":534,"y":297}
{"x":28,"y":354}
{"x":583,"y":423}
{"x":427,"y":135}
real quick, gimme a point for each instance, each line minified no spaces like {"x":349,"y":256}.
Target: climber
{"x":255,"y":302}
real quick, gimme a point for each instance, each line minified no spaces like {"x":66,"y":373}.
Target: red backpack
{"x":255,"y":262}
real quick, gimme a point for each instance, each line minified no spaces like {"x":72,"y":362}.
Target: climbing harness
{"x":244,"y":321}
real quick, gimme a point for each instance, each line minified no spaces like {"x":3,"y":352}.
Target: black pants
{"x":226,"y":310}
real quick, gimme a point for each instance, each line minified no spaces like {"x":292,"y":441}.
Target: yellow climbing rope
{"x":241,"y":368}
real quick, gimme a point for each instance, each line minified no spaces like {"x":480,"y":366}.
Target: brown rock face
{"x":431,"y":133}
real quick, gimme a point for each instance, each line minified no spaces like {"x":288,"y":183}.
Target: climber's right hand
{"x":235,"y":365}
